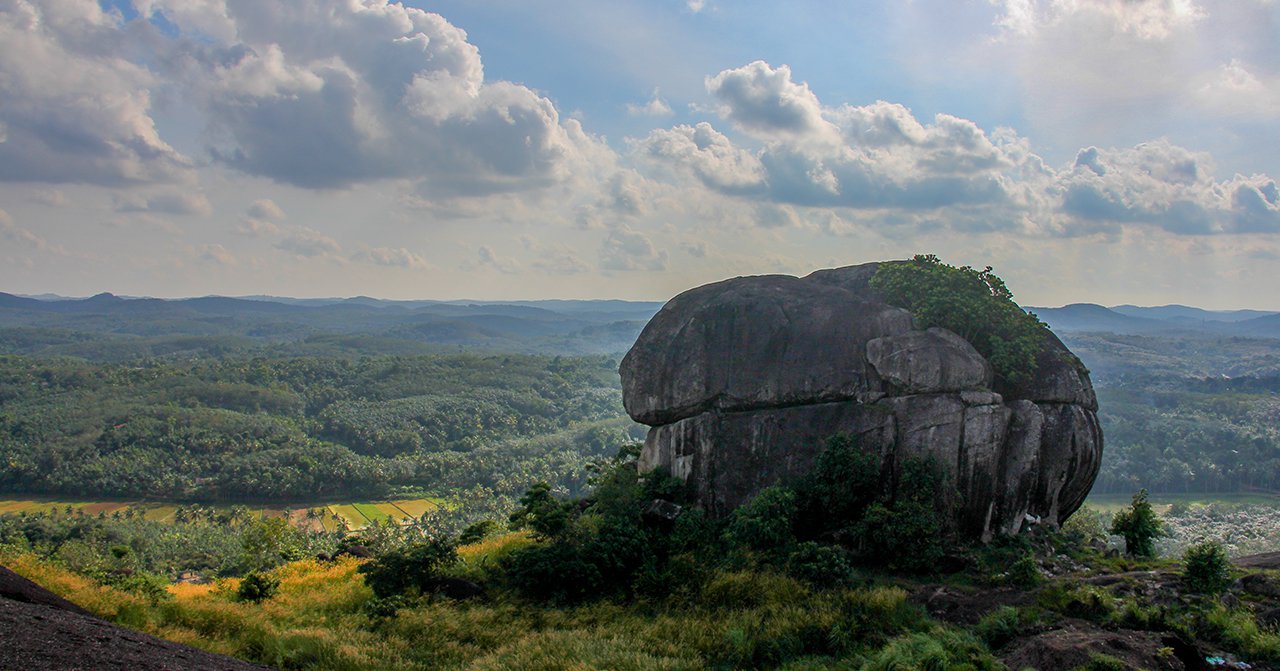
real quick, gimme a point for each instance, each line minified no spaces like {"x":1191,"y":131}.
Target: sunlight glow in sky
{"x":1110,"y":151}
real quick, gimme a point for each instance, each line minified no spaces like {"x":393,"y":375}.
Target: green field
{"x":1112,"y":502}
{"x":357,"y":514}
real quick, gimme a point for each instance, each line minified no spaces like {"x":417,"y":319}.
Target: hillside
{"x":109,"y":328}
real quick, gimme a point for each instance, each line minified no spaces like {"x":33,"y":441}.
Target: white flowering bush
{"x":1241,"y":529}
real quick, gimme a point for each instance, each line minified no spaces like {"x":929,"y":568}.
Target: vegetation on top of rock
{"x":975,"y":304}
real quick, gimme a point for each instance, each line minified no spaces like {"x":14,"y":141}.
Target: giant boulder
{"x":743,"y":380}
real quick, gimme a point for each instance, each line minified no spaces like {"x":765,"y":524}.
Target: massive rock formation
{"x":743,"y":380}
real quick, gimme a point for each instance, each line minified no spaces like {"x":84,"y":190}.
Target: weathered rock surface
{"x":743,"y":380}
{"x":41,"y":631}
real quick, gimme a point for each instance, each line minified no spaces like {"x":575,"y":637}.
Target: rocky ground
{"x":40,"y":631}
{"x":1065,"y":642}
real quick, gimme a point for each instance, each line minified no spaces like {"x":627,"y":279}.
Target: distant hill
{"x":107,"y":327}
{"x":1173,"y":320}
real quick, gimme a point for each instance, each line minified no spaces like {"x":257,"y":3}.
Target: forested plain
{"x":250,"y":400}
{"x":308,"y":428}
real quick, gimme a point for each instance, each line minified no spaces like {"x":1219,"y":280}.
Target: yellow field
{"x":357,"y":514}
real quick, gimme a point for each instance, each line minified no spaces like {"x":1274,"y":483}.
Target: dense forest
{"x":1185,"y":414}
{"x":306,"y":428}
{"x":237,"y":399}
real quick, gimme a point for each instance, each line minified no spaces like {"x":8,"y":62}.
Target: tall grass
{"x":318,"y":620}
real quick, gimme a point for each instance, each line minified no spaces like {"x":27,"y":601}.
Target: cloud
{"x":309,"y":243}
{"x":655,"y":107}
{"x":256,"y":228}
{"x":217,"y":254}
{"x":765,"y":102}
{"x":397,"y":257}
{"x":266,"y":209}
{"x":904,"y":174}
{"x":50,"y":197}
{"x":1238,"y":89}
{"x":17,"y":235}
{"x":165,"y":203}
{"x":559,"y":260}
{"x":628,"y":250}
{"x":332,"y":93}
{"x":708,"y":153}
{"x":777,"y":216}
{"x":697,"y":250}
{"x":489,"y":259}
{"x":77,"y":105}
{"x":1142,"y":19}
{"x":1165,"y":186}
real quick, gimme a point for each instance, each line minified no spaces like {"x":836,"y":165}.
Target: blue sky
{"x":1113,"y":151}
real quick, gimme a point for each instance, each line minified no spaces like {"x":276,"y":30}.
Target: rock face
{"x":743,"y":380}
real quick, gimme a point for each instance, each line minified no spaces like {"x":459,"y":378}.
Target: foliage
{"x":764,"y":524}
{"x":411,"y":569}
{"x":1001,"y":626}
{"x":261,"y":428}
{"x":478,"y":531}
{"x":904,"y":532}
{"x":1085,"y":526}
{"x":1079,"y":600}
{"x":1139,"y":525}
{"x":1100,"y":662}
{"x":940,"y":648}
{"x":1205,"y":568}
{"x":975,"y":304}
{"x":540,"y":512}
{"x":820,"y":565}
{"x":1024,"y":572}
{"x":257,"y":587}
{"x":843,"y":482}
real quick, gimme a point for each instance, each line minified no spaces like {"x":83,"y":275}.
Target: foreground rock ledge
{"x":743,"y":380}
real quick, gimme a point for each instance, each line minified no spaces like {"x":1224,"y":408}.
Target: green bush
{"x":844,"y":481}
{"x":1139,"y":525}
{"x":1000,"y":626}
{"x":1205,"y":568}
{"x":474,"y":533}
{"x":1100,"y":662}
{"x":820,"y":565}
{"x":905,"y":532}
{"x":554,"y":572}
{"x":938,"y":649}
{"x":975,"y":304}
{"x":1078,"y":600}
{"x":408,"y":569}
{"x":541,"y":513}
{"x":257,"y":587}
{"x":764,"y":524}
{"x":1084,"y":526}
{"x":1025,"y":572}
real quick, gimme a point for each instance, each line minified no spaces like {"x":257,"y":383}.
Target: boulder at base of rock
{"x":742,"y":382}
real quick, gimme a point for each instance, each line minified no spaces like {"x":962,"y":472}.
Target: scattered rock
{"x":457,"y":589}
{"x":1077,"y":642}
{"x":663,"y":511}
{"x":357,"y":551}
{"x":1260,"y":584}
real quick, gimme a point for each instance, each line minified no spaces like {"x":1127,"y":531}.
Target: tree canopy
{"x":975,"y":304}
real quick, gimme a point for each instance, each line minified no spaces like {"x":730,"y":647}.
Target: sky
{"x":1107,"y":151}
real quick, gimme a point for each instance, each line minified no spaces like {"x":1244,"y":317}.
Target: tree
{"x":975,"y":304}
{"x":1139,"y":525}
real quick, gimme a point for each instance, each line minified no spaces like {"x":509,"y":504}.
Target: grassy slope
{"x":320,"y":619}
